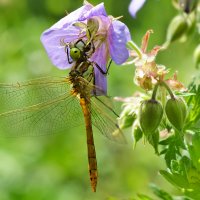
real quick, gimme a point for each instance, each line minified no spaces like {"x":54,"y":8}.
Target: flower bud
{"x":150,"y":115}
{"x":127,"y":117}
{"x":177,"y":27}
{"x":188,"y":6}
{"x":176,"y":111}
{"x":197,"y":56}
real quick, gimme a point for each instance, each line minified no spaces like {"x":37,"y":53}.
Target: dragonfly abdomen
{"x":90,"y":143}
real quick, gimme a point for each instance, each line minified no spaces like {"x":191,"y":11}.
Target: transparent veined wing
{"x":104,"y":119}
{"x":38,"y":107}
{"x":103,"y":115}
{"x":46,"y":106}
{"x":13,"y":96}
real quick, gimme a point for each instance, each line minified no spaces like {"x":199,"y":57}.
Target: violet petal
{"x":95,"y":11}
{"x":118,"y":36}
{"x":71,"y":17}
{"x":51,"y":40}
{"x":135,"y":6}
{"x":100,"y":57}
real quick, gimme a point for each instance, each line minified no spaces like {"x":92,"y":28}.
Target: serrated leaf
{"x":170,"y":154}
{"x":166,"y":141}
{"x":161,"y":193}
{"x":193,"y":119}
{"x":194,"y":150}
{"x":185,"y":164}
{"x":164,"y":151}
{"x":153,"y":139}
{"x":175,"y":179}
{"x":179,"y":139}
{"x":175,"y":166}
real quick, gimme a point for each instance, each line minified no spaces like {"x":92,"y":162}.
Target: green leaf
{"x":175,"y":166}
{"x":175,"y":179}
{"x":193,"y":119}
{"x":137,"y":133}
{"x":153,"y":139}
{"x":144,"y":197}
{"x":195,"y":194}
{"x":127,"y":117}
{"x":160,"y":193}
{"x":194,"y":150}
{"x":126,"y":121}
{"x":179,"y":139}
{"x":164,"y":151}
{"x":166,"y":141}
{"x":170,"y":154}
{"x":184,"y":94}
{"x":185,"y":164}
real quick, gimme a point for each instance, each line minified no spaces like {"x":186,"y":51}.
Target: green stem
{"x":168,"y":89}
{"x":154,"y":92}
{"x":131,"y":45}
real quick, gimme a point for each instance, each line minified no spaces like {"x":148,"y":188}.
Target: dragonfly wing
{"x":39,"y":108}
{"x":19,"y":95}
{"x":104,"y":118}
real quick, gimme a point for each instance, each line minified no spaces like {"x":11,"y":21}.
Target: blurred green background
{"x":55,"y":167}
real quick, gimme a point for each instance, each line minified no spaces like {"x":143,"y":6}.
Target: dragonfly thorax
{"x":79,"y":83}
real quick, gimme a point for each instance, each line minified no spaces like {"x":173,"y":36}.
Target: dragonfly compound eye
{"x":75,"y":53}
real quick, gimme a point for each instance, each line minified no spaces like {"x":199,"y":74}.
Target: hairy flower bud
{"x":127,"y":117}
{"x":150,"y":115}
{"x":176,"y":111}
{"x":177,"y":27}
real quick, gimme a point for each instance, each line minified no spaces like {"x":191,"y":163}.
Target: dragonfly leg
{"x":99,"y":68}
{"x":67,"y":52}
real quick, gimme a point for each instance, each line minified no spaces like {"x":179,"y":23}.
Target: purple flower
{"x":109,"y":40}
{"x":135,"y":6}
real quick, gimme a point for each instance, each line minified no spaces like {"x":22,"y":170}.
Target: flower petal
{"x":100,"y":57}
{"x":135,"y":6}
{"x":51,"y":40}
{"x":71,"y":17}
{"x":95,"y":11}
{"x":118,"y":36}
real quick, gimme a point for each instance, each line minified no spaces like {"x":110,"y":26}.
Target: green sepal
{"x":137,"y":134}
{"x":153,"y":139}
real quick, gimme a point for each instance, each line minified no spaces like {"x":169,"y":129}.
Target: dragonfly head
{"x":75,"y":53}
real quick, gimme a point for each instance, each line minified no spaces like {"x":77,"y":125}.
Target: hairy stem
{"x":168,"y":89}
{"x":154,"y":92}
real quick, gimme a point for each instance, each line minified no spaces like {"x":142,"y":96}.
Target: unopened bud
{"x":197,"y":56}
{"x":188,"y":5}
{"x":150,"y":116}
{"x":176,"y":111}
{"x":127,"y":117}
{"x":177,"y":27}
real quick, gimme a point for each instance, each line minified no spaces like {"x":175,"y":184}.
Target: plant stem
{"x":168,"y":89}
{"x":154,"y":92}
{"x":131,"y":45}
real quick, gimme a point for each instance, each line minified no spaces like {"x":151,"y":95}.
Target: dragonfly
{"x":51,"y":105}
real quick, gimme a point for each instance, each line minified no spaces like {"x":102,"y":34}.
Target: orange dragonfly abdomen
{"x":90,"y":143}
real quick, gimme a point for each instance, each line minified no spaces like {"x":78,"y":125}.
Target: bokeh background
{"x":55,"y":167}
